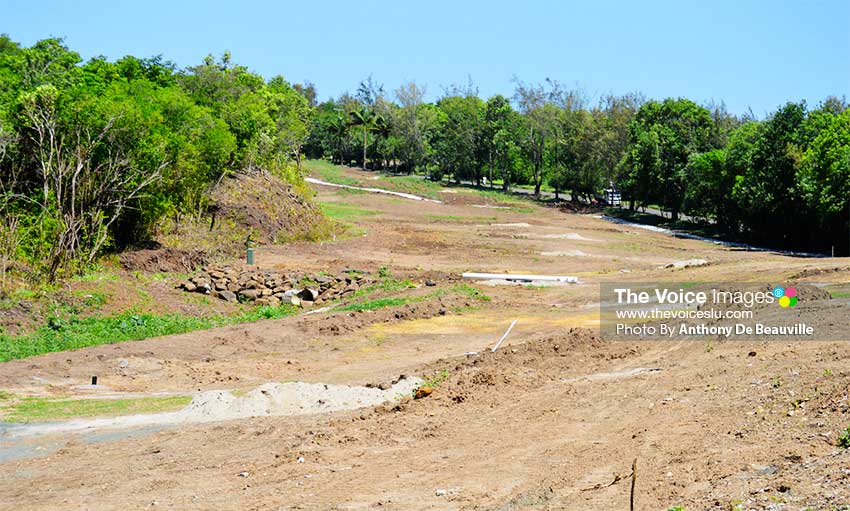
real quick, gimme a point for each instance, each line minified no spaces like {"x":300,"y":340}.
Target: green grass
{"x":463,"y":289}
{"x":515,"y":202}
{"x":329,"y":172}
{"x":344,"y":211}
{"x":409,"y":184}
{"x":68,"y":333}
{"x":41,"y":409}
{"x":844,"y":439}
{"x":396,"y":285}
{"x":378,"y":303}
{"x":839,"y":294}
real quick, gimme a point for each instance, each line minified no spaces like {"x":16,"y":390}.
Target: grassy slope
{"x":75,"y":332}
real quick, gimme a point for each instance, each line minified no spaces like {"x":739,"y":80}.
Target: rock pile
{"x":268,"y":287}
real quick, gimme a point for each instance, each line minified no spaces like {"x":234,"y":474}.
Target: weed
{"x":844,"y":439}
{"x":776,"y":383}
{"x":434,"y":380}
{"x":384,"y":272}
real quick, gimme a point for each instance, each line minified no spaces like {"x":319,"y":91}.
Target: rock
{"x":189,"y":286}
{"x":423,"y":392}
{"x":430,"y":283}
{"x":123,"y":363}
{"x":249,"y":294}
{"x":200,"y":281}
{"x":230,"y":296}
{"x":267,"y":300}
{"x":686,"y":264}
{"x":763,"y":470}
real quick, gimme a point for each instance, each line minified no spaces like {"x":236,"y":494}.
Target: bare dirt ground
{"x":552,"y":420}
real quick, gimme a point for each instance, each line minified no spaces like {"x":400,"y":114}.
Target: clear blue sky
{"x":756,"y":54}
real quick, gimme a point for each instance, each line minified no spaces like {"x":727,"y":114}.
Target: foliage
{"x":93,"y":155}
{"x":844,"y":439}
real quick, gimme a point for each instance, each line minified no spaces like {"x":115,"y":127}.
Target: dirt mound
{"x":163,"y":260}
{"x":267,"y":206}
{"x":487,"y":376}
{"x":254,"y":208}
{"x":814,"y":272}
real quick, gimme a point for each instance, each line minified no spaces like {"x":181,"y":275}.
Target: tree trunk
{"x":364,"y":147}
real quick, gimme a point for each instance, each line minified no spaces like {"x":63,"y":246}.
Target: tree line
{"x":783,"y":181}
{"x":94,"y":154}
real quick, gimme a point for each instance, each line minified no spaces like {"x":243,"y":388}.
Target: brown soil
{"x":552,"y":420}
{"x":163,"y":260}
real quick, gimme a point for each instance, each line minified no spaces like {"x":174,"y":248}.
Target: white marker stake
{"x":504,"y":336}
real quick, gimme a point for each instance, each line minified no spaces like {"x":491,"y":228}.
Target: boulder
{"x":249,"y":294}
{"x":229,"y":296}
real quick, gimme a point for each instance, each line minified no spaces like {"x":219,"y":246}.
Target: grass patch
{"x":329,"y":172}
{"x":410,"y":184}
{"x":379,"y":303}
{"x":462,"y":289}
{"x":62,"y":334}
{"x":343,"y":211}
{"x":415,"y":185}
{"x":392,"y":285}
{"x":41,"y":409}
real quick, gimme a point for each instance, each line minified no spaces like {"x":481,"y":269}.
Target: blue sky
{"x":756,"y":54}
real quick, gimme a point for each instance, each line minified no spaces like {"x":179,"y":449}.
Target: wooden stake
{"x":634,"y":476}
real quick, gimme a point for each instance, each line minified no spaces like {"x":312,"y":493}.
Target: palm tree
{"x":340,"y":130}
{"x":364,"y":118}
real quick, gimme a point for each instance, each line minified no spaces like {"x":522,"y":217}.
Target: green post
{"x":250,"y":255}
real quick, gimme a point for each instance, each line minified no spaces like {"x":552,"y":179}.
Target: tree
{"x":671,"y":130}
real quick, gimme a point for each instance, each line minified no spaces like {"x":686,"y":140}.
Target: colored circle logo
{"x":787,"y":296}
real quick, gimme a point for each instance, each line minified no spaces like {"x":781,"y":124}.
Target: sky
{"x":750,"y":54}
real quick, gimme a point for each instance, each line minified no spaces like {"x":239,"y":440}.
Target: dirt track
{"x":552,"y":420}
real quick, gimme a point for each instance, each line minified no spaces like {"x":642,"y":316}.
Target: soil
{"x":163,"y":260}
{"x":552,"y":420}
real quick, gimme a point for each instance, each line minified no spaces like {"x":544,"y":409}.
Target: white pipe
{"x":373,"y":190}
{"x":503,"y":336}
{"x":525,"y":278}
